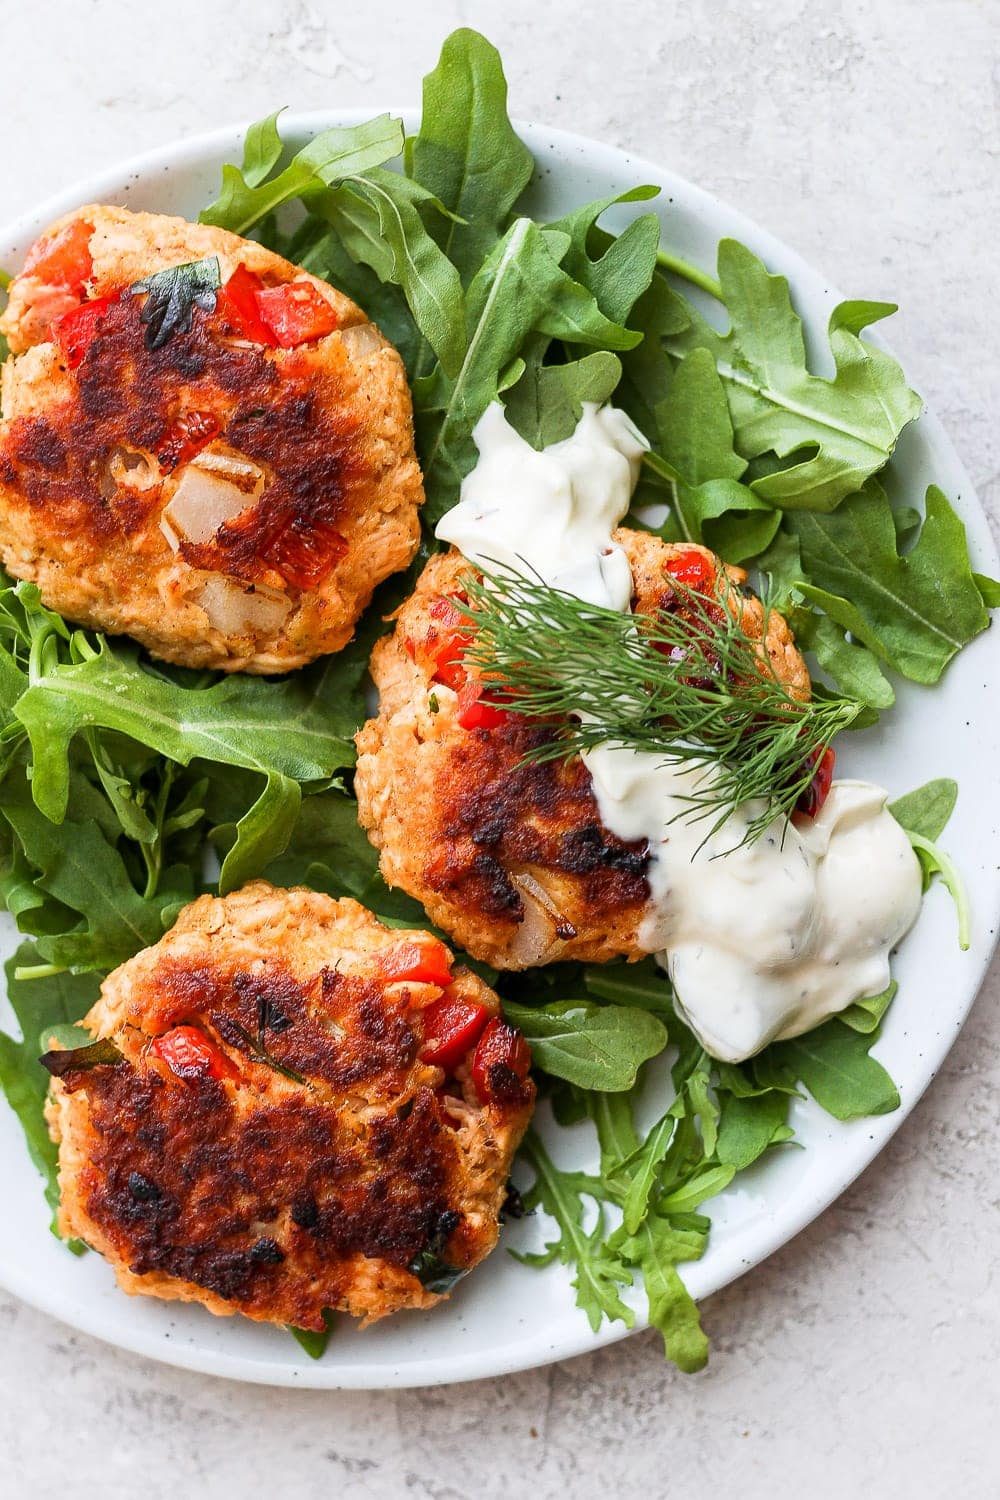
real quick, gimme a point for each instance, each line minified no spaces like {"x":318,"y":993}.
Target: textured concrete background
{"x":862,"y":1359}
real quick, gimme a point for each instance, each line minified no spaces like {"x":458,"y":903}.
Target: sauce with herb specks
{"x":763,"y":940}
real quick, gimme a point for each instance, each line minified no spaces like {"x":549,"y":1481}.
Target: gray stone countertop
{"x":862,"y":1358}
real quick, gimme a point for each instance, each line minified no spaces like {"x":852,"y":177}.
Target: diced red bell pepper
{"x":501,"y":1064}
{"x":189,"y":1054}
{"x":446,"y":644}
{"x":447,"y":648}
{"x":295,"y":313}
{"x":237,"y":304}
{"x":75,"y":331}
{"x":63,"y":258}
{"x":447,"y":614}
{"x":451,"y":1027}
{"x":422,"y":960}
{"x":305,"y":552}
{"x":816,"y":793}
{"x":475,"y":711}
{"x":692,"y":569}
{"x":446,"y":651}
{"x":447,"y":655}
{"x":185,"y":437}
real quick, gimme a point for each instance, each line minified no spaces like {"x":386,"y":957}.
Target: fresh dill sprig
{"x":685,"y":683}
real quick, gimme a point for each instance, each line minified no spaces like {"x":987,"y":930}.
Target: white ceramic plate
{"x":507,"y":1317}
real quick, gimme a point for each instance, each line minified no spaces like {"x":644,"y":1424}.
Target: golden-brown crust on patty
{"x":510,"y":858}
{"x":328,"y":425}
{"x":324,"y":1161}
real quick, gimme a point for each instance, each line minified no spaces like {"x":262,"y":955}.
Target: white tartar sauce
{"x":761,"y":941}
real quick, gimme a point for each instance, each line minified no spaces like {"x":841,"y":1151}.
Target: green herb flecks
{"x":238,"y":1036}
{"x":64,"y":1060}
{"x":429,"y":1266}
{"x":435,"y":1274}
{"x":171,"y":297}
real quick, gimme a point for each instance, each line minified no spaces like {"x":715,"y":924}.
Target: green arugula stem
{"x":948,"y":870}
{"x":39,"y":971}
{"x":152,"y":854}
{"x":5,"y":280}
{"x":694,"y":274}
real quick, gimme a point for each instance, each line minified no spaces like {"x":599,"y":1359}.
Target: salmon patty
{"x":508,"y":856}
{"x":288,"y":1107}
{"x":202,"y":446}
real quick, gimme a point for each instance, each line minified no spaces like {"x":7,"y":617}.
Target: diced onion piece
{"x":540,"y":936}
{"x":213,"y":489}
{"x":131,"y":469}
{"x":362,"y":339}
{"x":242,"y":611}
{"x":239,"y":471}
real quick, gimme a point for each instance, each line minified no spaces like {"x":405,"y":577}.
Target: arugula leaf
{"x":641,"y":984}
{"x":651,"y":1240}
{"x":927,"y":809}
{"x":916,"y":611}
{"x":79,"y":868}
{"x":616,"y":1133}
{"x":989,"y":590}
{"x":829,"y":436}
{"x":695,"y":441}
{"x":866,"y":1015}
{"x":749,"y":1124}
{"x":923,"y":815}
{"x":704,"y":1183}
{"x":312,"y":1342}
{"x":644,"y":1164}
{"x":330,"y":157}
{"x":519,"y":289}
{"x":599,"y":1272}
{"x":624,"y":264}
{"x":172,"y":296}
{"x":545,"y":405}
{"x":779,"y":569}
{"x":594,"y":1046}
{"x":377,"y":220}
{"x":656,"y":1249}
{"x":834,"y":1064}
{"x":262,"y":833}
{"x":934,"y":861}
{"x":262,"y":149}
{"x":329,"y":852}
{"x":291,"y":731}
{"x":38,"y":1004}
{"x":853,"y":668}
{"x":467,"y":153}
{"x":648,"y":370}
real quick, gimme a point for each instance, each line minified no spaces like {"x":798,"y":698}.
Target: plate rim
{"x":190,"y":151}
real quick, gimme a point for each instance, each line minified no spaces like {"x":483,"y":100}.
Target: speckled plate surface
{"x":507,"y":1317}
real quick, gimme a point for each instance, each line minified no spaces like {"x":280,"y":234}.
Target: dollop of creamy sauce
{"x":761,"y":941}
{"x":549,"y":515}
